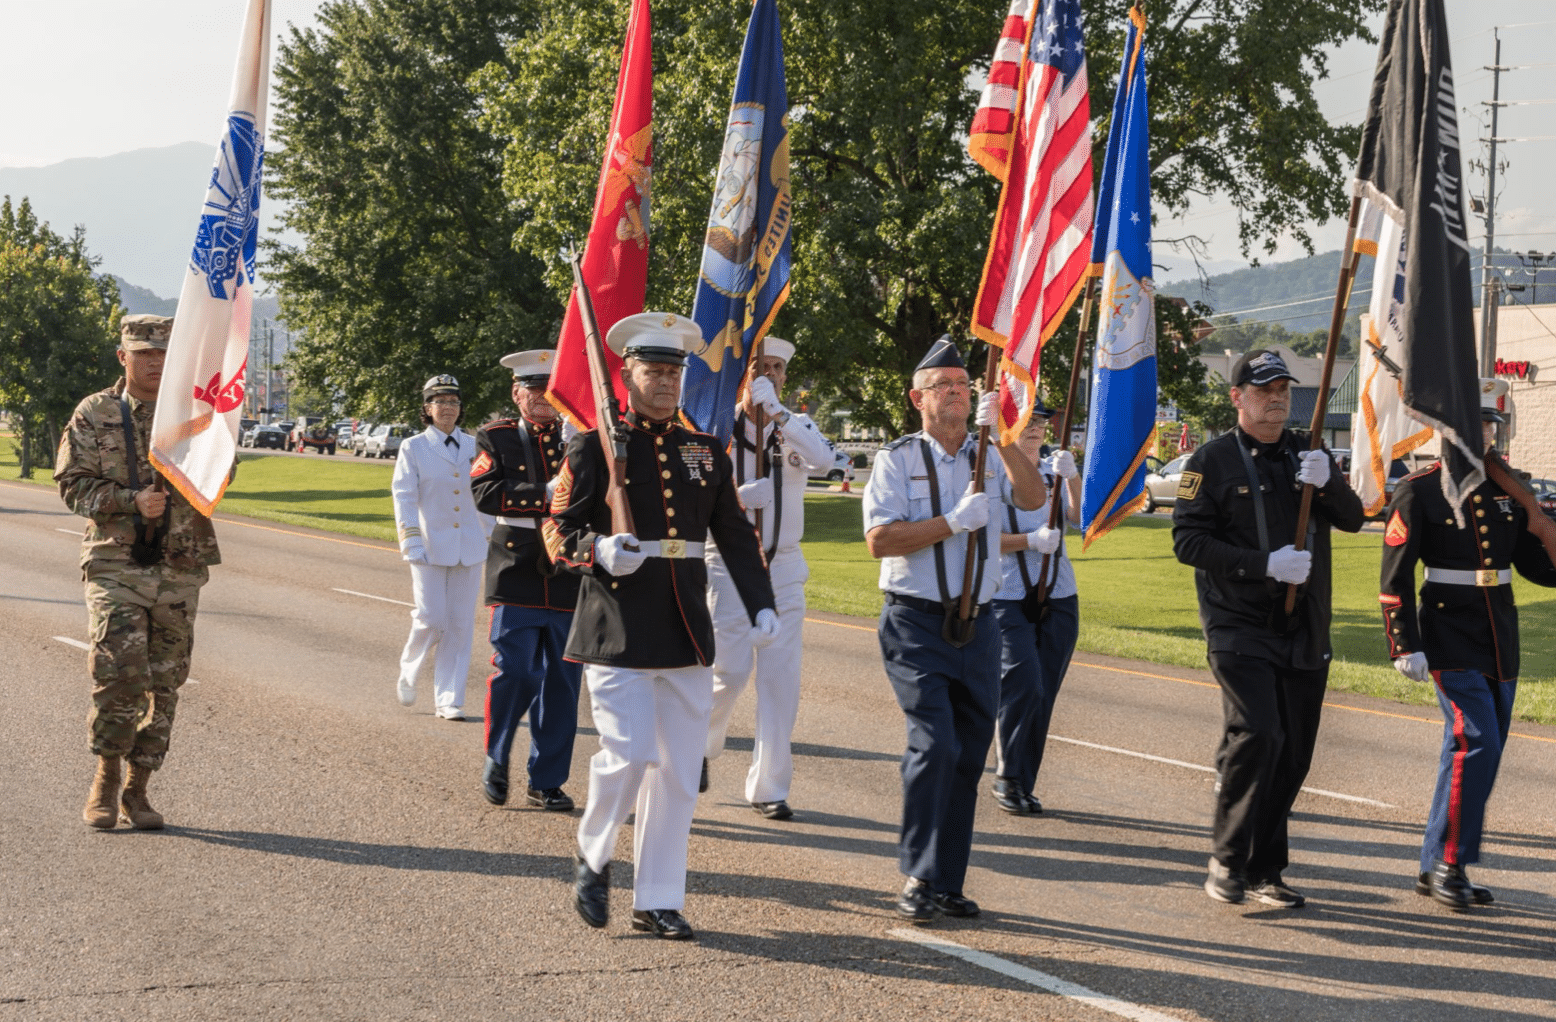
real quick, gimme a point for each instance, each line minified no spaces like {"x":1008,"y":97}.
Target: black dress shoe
{"x":1010,"y":798}
{"x":1033,"y":805}
{"x":702,"y":782}
{"x":662,"y":922}
{"x":554,"y":799}
{"x":778,"y":810}
{"x":1478,"y":894}
{"x":591,"y":892}
{"x":1450,"y":886}
{"x":952,"y":903}
{"x":494,"y":782}
{"x":917,"y":904}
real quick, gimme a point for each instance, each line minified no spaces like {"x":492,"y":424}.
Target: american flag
{"x":1040,"y":246}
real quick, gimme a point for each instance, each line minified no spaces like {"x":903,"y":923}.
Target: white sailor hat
{"x":777,"y":347}
{"x":655,"y":337}
{"x":1491,"y":391}
{"x":531,"y":368}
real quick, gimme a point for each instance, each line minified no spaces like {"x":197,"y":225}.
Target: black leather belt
{"x":927,"y":606}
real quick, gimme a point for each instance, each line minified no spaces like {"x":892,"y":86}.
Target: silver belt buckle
{"x":675,"y":549}
{"x":1487,"y":577}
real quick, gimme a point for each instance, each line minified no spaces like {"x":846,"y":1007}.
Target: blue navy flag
{"x":744,"y":279}
{"x":1122,"y":427}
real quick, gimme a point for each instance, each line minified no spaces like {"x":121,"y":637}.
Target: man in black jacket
{"x":532,"y":603}
{"x":1234,"y":521}
{"x":642,"y":627}
{"x":1465,"y":642}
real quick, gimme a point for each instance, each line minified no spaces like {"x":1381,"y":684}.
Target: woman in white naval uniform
{"x":795,"y":447}
{"x":444,"y":538}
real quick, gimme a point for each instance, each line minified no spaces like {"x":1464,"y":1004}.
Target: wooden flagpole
{"x":1055,"y":508}
{"x":964,"y":606}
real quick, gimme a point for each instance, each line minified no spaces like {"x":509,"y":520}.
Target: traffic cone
{"x":845,"y":486}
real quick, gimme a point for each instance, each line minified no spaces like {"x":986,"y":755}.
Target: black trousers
{"x":1271,"y":715}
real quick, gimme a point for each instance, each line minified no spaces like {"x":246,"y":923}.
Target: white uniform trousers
{"x":777,"y":671}
{"x":652,"y":724}
{"x":444,"y":617}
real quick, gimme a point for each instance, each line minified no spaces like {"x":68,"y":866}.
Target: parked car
{"x":359,"y":437}
{"x":384,"y":440}
{"x":1161,"y":482}
{"x":244,"y":425}
{"x":312,"y":431}
{"x":265,"y":436}
{"x":344,"y":430}
{"x":1545,"y":495}
{"x":286,"y":426}
{"x":842,"y":468}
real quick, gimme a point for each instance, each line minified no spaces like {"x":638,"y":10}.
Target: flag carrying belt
{"x":774,"y":456}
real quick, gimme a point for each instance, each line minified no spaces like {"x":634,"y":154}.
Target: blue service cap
{"x":942,"y":355}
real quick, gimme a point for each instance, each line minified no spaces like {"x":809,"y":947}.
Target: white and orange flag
{"x":194,"y":434}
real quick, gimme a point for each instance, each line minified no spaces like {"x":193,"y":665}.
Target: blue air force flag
{"x":744,"y":279}
{"x":194,"y":432}
{"x":1122,"y":427}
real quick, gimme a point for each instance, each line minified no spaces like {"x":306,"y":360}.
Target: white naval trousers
{"x":444,"y":617}
{"x":652,"y":724}
{"x":777,"y":671}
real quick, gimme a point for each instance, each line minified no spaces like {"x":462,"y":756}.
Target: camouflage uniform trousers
{"x":142,"y":625}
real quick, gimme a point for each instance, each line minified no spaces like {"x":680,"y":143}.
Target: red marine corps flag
{"x":615,"y":263}
{"x":1032,"y":130}
{"x":194,"y":434}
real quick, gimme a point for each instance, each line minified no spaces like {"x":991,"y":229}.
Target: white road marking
{"x":1042,"y":980}
{"x":67,"y":640}
{"x":370,"y":596}
{"x":69,"y":532}
{"x":1210,"y":770}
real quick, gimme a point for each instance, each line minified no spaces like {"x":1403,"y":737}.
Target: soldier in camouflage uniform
{"x":141,"y":594}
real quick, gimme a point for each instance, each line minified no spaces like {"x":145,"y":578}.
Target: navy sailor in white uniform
{"x":795,"y":448}
{"x":920,"y":514}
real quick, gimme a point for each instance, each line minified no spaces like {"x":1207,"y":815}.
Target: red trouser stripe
{"x":1456,"y":784}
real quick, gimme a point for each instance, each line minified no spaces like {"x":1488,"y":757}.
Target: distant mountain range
{"x":137,"y":299}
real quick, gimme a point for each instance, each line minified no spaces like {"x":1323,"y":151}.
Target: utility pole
{"x":1488,"y":295}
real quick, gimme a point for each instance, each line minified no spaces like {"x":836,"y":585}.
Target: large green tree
{"x":408,"y":268}
{"x":891,"y":219}
{"x":58,"y":322}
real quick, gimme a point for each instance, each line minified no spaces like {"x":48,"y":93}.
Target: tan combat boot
{"x":102,"y":809}
{"x":137,"y":810}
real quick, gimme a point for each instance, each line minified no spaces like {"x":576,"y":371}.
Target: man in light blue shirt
{"x":920,"y":514}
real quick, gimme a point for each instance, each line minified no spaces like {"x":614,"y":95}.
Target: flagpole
{"x":964,"y":606}
{"x":759,"y":420}
{"x":1349,"y":258}
{"x":1055,"y":507}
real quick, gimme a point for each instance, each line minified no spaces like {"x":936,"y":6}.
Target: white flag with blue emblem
{"x":194,"y":434}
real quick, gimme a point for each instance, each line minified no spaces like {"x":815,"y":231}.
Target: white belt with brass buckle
{"x":1460,"y":577}
{"x":675,"y":549}
{"x":517,"y":523}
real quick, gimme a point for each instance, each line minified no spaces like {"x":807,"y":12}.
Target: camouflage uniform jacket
{"x":93,"y":476}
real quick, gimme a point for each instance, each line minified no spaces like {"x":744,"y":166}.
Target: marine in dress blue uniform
{"x":1464,"y":640}
{"x":531,"y":601}
{"x":920,"y":514}
{"x":1036,"y":639}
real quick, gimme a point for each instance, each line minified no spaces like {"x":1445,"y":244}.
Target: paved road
{"x":330,"y":856}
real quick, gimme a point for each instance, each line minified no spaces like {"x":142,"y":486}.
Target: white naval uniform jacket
{"x":432,"y":500}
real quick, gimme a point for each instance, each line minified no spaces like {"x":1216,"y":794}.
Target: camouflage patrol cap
{"x":143,"y":331}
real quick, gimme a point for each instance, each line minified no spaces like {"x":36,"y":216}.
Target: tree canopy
{"x":58,"y":328}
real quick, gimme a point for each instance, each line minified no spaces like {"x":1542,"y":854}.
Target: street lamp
{"x":1535,"y":259}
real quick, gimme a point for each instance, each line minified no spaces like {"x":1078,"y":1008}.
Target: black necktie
{"x":450,"y":441}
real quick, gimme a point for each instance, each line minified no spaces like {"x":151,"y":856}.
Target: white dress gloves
{"x":1413,"y":666}
{"x":764,"y":396}
{"x":611,"y":553}
{"x":1044,"y":540}
{"x":1315,"y":468}
{"x":766,"y":628}
{"x":1289,"y":565}
{"x":1061,"y":464}
{"x":568,"y":429}
{"x":415,"y":553}
{"x":758,"y":493}
{"x":988,"y":409}
{"x":971,"y":512}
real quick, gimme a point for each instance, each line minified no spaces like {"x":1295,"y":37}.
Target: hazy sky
{"x":96,"y":77}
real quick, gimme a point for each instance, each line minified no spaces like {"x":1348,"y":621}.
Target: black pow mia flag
{"x":1409,"y":171}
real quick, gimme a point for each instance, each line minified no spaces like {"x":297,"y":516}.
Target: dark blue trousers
{"x":1477,"y":713}
{"x":1033,"y":662}
{"x":532,"y":677}
{"x":949,"y":697}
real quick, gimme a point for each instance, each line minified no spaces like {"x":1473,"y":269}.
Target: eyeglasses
{"x":445,"y":402}
{"x":942,"y":386}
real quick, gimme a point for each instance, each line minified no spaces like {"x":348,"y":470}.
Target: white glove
{"x":611,"y":553}
{"x":1315,"y":468}
{"x":550,"y":490}
{"x":758,"y":493}
{"x":765,"y":630}
{"x":568,"y":429}
{"x":988,"y":409}
{"x":1044,"y":540}
{"x":764,"y":396}
{"x":1289,"y":565}
{"x":1061,"y":464}
{"x":1413,"y":666}
{"x":416,"y":554}
{"x":971,"y":512}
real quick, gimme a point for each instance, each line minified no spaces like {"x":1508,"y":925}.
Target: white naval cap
{"x":531,"y":368}
{"x":655,"y":337}
{"x":777,"y":347}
